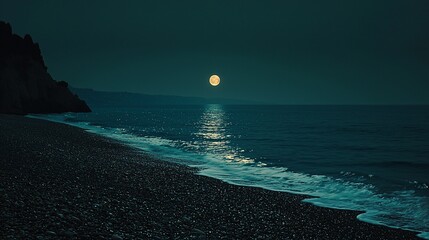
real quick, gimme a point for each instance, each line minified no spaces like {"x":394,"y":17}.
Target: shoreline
{"x":364,"y":216}
{"x":59,"y":181}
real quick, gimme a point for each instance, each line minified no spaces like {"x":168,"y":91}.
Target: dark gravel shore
{"x":58,"y":181}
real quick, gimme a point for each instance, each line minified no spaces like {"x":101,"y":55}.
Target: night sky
{"x":287,"y":52}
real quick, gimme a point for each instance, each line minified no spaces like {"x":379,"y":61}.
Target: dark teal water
{"x":369,"y":158}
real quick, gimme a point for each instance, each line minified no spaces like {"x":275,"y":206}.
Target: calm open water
{"x":369,"y":158}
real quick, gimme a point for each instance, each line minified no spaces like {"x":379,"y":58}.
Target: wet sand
{"x":60,"y":182}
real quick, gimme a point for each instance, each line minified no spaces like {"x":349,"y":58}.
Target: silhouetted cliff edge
{"x":25,"y":84}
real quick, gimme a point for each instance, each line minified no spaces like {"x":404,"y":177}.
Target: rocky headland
{"x":25,"y":84}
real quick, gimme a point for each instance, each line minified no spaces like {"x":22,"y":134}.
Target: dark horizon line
{"x":252,"y":102}
{"x":180,"y":96}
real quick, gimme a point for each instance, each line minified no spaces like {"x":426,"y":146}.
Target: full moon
{"x":214,"y":80}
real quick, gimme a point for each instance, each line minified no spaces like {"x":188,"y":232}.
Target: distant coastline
{"x":97,"y":98}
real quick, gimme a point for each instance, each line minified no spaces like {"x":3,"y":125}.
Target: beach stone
{"x":116,"y":237}
{"x":75,"y":219}
{"x":198,"y":231}
{"x":70,"y":233}
{"x":51,"y":233}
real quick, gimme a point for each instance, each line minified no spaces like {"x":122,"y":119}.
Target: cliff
{"x":25,"y":84}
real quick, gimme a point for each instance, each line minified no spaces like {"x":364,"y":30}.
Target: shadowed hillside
{"x":25,"y":84}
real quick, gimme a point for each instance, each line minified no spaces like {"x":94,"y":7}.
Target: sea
{"x":373,"y":159}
